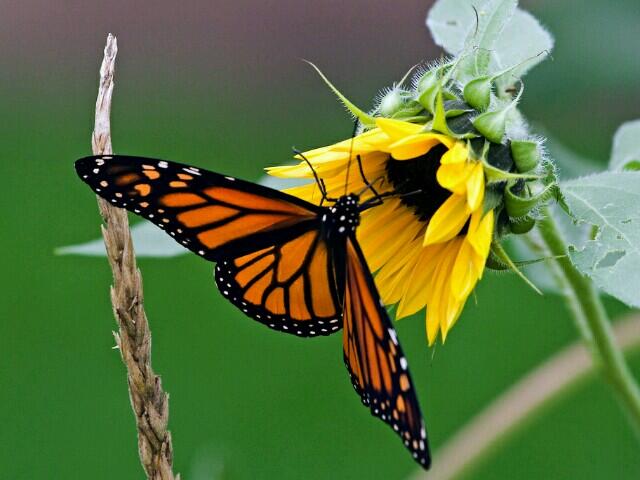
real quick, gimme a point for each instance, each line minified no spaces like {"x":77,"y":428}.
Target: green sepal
{"x":493,"y":197}
{"x":455,"y":108}
{"x":477,"y":92}
{"x":518,"y":207}
{"x":365,"y":119}
{"x":492,"y":125}
{"x":428,"y":98}
{"x":521,"y":226}
{"x":408,"y":110}
{"x":495,"y":175}
{"x":494,"y":263}
{"x":439,"y":123}
{"x":526,"y":154}
{"x":500,"y":255}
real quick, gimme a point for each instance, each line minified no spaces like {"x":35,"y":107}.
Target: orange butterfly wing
{"x":269,"y":251}
{"x":374,"y":358}
{"x":212,"y":215}
{"x":289,"y":287}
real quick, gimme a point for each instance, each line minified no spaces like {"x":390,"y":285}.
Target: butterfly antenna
{"x":364,"y":178}
{"x":353,"y":135}
{"x":319,"y":181}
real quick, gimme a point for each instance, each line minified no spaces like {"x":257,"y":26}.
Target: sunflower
{"x":428,"y":243}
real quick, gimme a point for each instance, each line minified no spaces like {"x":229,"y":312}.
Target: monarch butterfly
{"x":289,"y":264}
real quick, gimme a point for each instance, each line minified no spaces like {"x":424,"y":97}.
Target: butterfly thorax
{"x":343,"y":217}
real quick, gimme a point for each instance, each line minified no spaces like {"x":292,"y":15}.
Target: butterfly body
{"x":294,"y":266}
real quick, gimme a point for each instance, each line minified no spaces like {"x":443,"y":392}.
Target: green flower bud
{"x":390,"y":103}
{"x":477,"y":93}
{"x":526,"y":154}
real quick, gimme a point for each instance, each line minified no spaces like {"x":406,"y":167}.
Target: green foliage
{"x":625,"y":154}
{"x":501,"y":36}
{"x":609,"y":201}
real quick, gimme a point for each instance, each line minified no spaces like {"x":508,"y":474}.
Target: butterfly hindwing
{"x":290,"y":287}
{"x":211,"y":214}
{"x":376,"y":363}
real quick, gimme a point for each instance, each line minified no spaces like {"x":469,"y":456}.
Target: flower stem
{"x":522,"y":404}
{"x":592,"y":322}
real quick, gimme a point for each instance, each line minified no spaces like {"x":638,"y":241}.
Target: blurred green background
{"x":220,"y":85}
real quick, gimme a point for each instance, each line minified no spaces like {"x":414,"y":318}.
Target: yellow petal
{"x":439,"y":291}
{"x":432,"y":327}
{"x":405,"y":255}
{"x":376,"y":238}
{"x":475,"y":187}
{"x":413,"y":146}
{"x":464,"y":274}
{"x":397,"y":129}
{"x":418,"y":284}
{"x":458,"y":153}
{"x":309,"y":192}
{"x":448,"y":220}
{"x":454,"y":310}
{"x":367,"y":142}
{"x":390,"y":249}
{"x":393,"y":286}
{"x":454,"y":176}
{"x":378,"y":217}
{"x":480,"y":232}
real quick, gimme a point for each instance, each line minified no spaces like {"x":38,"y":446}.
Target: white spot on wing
{"x":392,"y":334}
{"x":403,"y":363}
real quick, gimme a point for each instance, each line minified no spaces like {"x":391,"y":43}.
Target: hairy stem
{"x":522,"y":403}
{"x":149,"y":401}
{"x":587,"y":310}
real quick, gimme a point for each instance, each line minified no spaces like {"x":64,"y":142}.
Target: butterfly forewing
{"x":377,"y":366}
{"x":213,"y":215}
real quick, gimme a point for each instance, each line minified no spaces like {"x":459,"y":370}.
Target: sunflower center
{"x":419,"y":175}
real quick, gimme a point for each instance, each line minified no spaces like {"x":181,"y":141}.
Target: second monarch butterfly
{"x":290,"y":264}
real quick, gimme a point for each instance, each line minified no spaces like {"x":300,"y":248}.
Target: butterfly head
{"x":343,"y":217}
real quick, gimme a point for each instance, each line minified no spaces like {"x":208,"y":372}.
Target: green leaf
{"x":148,"y":241}
{"x":610,"y":202}
{"x":493,"y":17}
{"x":524,"y":43}
{"x":625,"y":154}
{"x":450,"y":23}
{"x":510,"y":35}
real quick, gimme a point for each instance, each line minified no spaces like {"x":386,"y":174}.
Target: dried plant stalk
{"x":149,"y":401}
